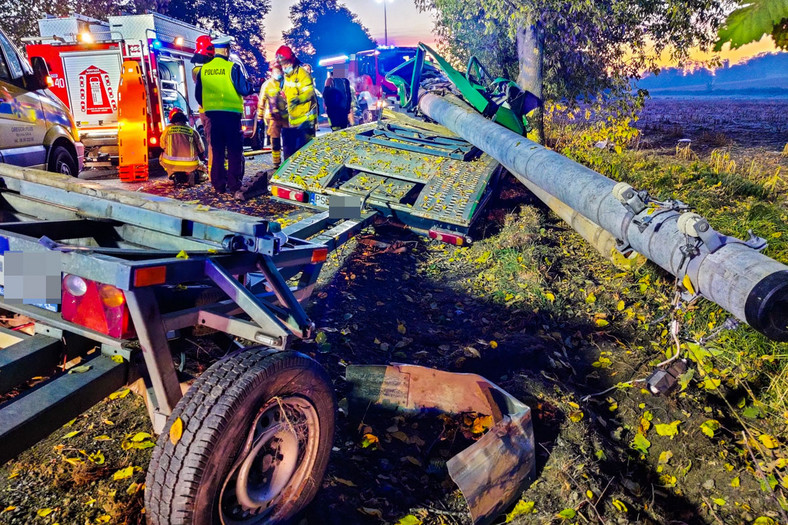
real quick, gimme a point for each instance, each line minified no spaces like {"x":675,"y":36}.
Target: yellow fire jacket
{"x":300,"y":94}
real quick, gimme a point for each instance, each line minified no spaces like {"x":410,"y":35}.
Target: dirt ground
{"x":416,"y":305}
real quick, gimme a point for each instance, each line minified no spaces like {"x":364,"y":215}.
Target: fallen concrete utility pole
{"x":728,"y":271}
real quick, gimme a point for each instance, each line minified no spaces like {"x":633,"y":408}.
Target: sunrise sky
{"x":407,"y":26}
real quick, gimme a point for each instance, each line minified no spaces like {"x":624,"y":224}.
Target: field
{"x":533,"y":308}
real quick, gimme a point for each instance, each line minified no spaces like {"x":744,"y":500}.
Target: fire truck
{"x":85,"y":58}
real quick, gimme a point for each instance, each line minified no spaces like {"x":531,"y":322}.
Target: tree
{"x":316,"y":26}
{"x":753,"y":20}
{"x":576,"y":50}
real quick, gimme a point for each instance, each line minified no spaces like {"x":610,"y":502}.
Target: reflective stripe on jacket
{"x":218,"y":90}
{"x":182,"y":147}
{"x":272,"y":105}
{"x":299,"y":87}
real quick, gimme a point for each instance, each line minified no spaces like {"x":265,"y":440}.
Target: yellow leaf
{"x":176,"y":431}
{"x":619,"y":505}
{"x":410,"y":519}
{"x":401,"y":328}
{"x":72,"y":434}
{"x":13,"y":475}
{"x":345,"y":482}
{"x":719,"y":501}
{"x":735,"y":482}
{"x":139,"y":436}
{"x":493,"y":345}
{"x":97,"y":458}
{"x":108,"y":422}
{"x":668,"y":429}
{"x":576,"y":415}
{"x":44,"y":512}
{"x":182,"y":255}
{"x":117,"y":358}
{"x":91,"y":501}
{"x":102,"y":437}
{"x":369,"y":511}
{"x":81,"y":369}
{"x":369,"y":440}
{"x":591,"y":298}
{"x":481,"y":424}
{"x":522,"y":507}
{"x":764,"y":520}
{"x":133,"y":488}
{"x":104,"y":518}
{"x":8,"y":509}
{"x":620,"y":306}
{"x":119,"y":394}
{"x":73,"y":461}
{"x":125,"y":473}
{"x":687,"y":283}
{"x":601,"y":322}
{"x":589,"y":494}
{"x":549,"y":296}
{"x":768,"y":441}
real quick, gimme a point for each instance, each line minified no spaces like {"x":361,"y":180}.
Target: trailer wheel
{"x":61,"y":161}
{"x":257,"y":433}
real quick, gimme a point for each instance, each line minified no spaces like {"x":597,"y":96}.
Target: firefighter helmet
{"x":204,"y":46}
{"x":284,"y":53}
{"x":176,"y":113}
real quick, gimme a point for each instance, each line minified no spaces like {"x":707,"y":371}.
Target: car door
{"x":22,"y":122}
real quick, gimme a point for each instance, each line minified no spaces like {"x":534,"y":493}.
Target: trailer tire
{"x":238,"y":460}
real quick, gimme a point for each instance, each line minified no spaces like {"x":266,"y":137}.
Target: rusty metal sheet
{"x":491,"y":473}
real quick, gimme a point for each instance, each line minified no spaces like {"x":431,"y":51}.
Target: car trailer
{"x":134,"y":270}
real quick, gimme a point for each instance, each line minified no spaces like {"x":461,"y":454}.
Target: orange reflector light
{"x":111,"y":296}
{"x":150,"y":276}
{"x":154,"y":141}
{"x":319,"y":255}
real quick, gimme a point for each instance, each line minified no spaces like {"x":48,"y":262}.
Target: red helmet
{"x":284,"y":53}
{"x":204,"y":46}
{"x":175,"y":112}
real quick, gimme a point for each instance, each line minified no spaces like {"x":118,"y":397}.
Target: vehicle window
{"x":14,"y":65}
{"x":4,"y":74}
{"x":366,"y":66}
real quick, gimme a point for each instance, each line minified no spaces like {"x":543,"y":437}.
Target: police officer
{"x":203,"y":53}
{"x":221,"y":86}
{"x":299,"y":89}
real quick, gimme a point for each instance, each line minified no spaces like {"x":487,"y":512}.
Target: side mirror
{"x":40,"y":78}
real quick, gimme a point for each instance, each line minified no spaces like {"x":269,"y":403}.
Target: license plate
{"x":318,"y":199}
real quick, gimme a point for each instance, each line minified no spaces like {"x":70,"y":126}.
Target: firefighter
{"x":182,"y":149}
{"x":221,"y":86}
{"x":272,"y":109}
{"x":299,"y":92}
{"x":203,"y":53}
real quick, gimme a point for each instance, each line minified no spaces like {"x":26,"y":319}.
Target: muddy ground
{"x":409,"y":300}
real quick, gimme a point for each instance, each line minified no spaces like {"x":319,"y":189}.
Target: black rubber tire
{"x":184,"y":481}
{"x":62,"y":161}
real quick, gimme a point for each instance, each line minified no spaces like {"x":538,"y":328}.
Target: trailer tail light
{"x":100,"y":307}
{"x":291,"y":195}
{"x":319,"y":255}
{"x":153,"y":141}
{"x":448,"y":237}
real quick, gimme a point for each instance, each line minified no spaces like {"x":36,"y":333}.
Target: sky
{"x":407,"y":26}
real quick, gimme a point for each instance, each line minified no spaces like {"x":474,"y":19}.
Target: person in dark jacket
{"x":336,"y":97}
{"x":221,"y":86}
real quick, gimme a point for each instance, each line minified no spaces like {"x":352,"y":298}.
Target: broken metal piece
{"x":663,"y":380}
{"x":491,"y":473}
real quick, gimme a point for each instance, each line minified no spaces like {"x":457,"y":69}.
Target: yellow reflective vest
{"x":218,"y":90}
{"x":272,"y":105}
{"x":181,"y":147}
{"x":300,"y":88}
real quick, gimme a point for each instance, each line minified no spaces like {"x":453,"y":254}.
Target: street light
{"x":385,"y":22}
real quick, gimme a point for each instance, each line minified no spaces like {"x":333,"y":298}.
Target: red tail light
{"x":448,"y":237}
{"x":291,"y":195}
{"x":100,"y":307}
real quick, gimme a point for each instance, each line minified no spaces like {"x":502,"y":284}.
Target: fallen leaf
{"x":549,"y":296}
{"x":576,"y":415}
{"x":79,"y":369}
{"x":668,"y":429}
{"x":102,"y":437}
{"x":182,"y":255}
{"x":567,"y":514}
{"x":401,"y":328}
{"x":117,"y":358}
{"x":719,"y":501}
{"x":125,"y":473}
{"x":120,"y":394}
{"x":44,"y":512}
{"x":72,"y":434}
{"x":412,"y":460}
{"x":176,"y":430}
{"x":139,"y":436}
{"x":735,"y":482}
{"x":369,"y":440}
{"x":345,"y":482}
{"x":8,"y":509}
{"x":601,"y":323}
{"x":97,"y":457}
{"x":493,"y":345}
{"x":710,"y":426}
{"x":768,"y":441}
{"x":522,"y":507}
{"x":104,"y":518}
{"x":640,"y":443}
{"x":369,"y":511}
{"x":73,"y":461}
{"x":410,"y":519}
{"x":619,"y":505}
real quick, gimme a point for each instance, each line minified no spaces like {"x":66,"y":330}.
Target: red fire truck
{"x":85,"y":58}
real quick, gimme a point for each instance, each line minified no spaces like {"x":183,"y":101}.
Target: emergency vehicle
{"x":85,"y":58}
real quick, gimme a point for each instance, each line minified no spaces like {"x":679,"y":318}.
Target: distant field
{"x":715,"y":121}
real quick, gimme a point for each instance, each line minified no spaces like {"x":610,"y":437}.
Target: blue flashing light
{"x":157,"y":44}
